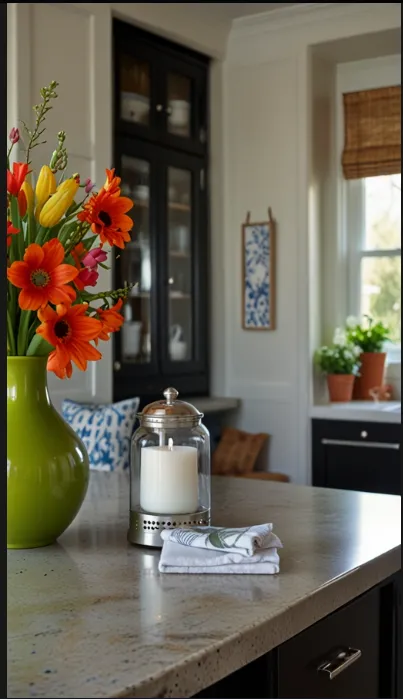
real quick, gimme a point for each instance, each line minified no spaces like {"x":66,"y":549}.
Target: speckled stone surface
{"x":92,"y":617}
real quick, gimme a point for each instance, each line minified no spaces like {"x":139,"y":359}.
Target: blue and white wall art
{"x":258,"y":273}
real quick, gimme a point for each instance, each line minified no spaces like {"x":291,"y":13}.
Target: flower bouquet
{"x":55,"y":245}
{"x":60,"y":231}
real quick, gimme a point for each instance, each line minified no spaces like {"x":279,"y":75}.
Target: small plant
{"x":338,"y":359}
{"x":368,"y":337}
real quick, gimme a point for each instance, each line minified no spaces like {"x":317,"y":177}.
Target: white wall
{"x":71,"y":42}
{"x":261,"y":367}
{"x":261,"y":137}
{"x":41,"y":47}
{"x":276,"y":96}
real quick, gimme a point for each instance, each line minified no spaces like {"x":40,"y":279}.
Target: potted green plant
{"x":340,"y":363}
{"x":369,"y":338}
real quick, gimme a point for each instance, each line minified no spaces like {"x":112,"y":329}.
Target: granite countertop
{"x":92,"y":617}
{"x":365,"y":411}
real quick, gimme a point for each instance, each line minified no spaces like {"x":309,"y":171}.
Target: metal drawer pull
{"x":374,"y":445}
{"x":340,"y":661}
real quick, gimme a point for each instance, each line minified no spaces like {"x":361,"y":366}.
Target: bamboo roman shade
{"x":372,"y":133}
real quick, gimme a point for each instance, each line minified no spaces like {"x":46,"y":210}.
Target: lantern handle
{"x":171,"y":395}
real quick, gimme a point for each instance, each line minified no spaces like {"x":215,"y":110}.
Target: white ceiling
{"x":232,"y":10}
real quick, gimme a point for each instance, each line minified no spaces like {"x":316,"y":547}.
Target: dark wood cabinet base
{"x":352,"y":455}
{"x":369,"y":625}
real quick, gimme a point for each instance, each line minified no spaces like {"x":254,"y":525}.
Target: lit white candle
{"x":169,"y":480}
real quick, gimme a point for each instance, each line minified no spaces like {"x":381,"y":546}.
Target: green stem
{"x":41,"y":111}
{"x":14,"y":254}
{"x":41,"y":235}
{"x":10,"y":334}
{"x":77,"y":237}
{"x":32,"y":329}
{"x":114,"y":295}
{"x":22,"y":344}
{"x":31,"y":232}
{"x":17,"y":223}
{"x":12,"y":290}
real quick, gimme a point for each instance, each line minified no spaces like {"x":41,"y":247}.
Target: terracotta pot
{"x":372,"y":372}
{"x":340,"y":387}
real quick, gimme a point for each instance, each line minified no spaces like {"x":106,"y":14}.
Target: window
{"x":371,"y":163}
{"x":374,"y":242}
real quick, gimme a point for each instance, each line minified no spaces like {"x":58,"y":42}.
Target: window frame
{"x":356,"y":251}
{"x":355,"y":76}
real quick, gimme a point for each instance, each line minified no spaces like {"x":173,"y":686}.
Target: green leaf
{"x":38,"y":347}
{"x":31,"y":230}
{"x":72,"y":208}
{"x":41,"y":235}
{"x":215,"y":540}
{"x":66,"y":229}
{"x":88,"y":242}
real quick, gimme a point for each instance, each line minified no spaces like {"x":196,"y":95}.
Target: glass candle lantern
{"x":169,"y":470}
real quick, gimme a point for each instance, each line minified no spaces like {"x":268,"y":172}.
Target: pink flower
{"x":94,"y":257}
{"x":89,"y":185}
{"x":87,"y":277}
{"x":14,"y":135}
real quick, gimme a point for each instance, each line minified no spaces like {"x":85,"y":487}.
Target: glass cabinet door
{"x":179,"y":105}
{"x":184,"y":105}
{"x":180,"y":286}
{"x":136,"y":86}
{"x":136,"y":265}
{"x":183,"y":335}
{"x":135,"y":93}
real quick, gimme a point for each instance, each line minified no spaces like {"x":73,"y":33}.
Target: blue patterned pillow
{"x":105,"y":430}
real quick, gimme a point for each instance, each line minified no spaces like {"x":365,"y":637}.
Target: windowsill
{"x":365,"y":411}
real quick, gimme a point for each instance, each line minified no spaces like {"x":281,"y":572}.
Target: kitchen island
{"x":92,"y":617}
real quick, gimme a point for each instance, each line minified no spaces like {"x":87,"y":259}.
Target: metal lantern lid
{"x":170,"y":412}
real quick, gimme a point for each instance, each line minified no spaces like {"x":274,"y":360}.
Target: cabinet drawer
{"x":361,"y":432}
{"x":356,"y":456}
{"x":355,"y":626}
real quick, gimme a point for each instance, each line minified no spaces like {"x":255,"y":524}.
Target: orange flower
{"x":106,"y":213}
{"x":70,"y":332}
{"x":111,"y":320}
{"x":11,"y":231}
{"x":42,"y":276}
{"x":112,"y":183}
{"x":15,"y":179}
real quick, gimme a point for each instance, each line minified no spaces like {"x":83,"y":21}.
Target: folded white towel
{"x":244,"y":540}
{"x":179,"y":558}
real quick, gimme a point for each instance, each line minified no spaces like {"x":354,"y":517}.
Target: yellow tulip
{"x":29,"y":195}
{"x":45,"y":187}
{"x":58,"y":204}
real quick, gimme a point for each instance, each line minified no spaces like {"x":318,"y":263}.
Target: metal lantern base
{"x":145,"y":529}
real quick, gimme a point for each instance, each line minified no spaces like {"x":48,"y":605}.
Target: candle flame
{"x":170,"y":443}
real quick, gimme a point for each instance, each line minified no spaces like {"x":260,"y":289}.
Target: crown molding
{"x":299,"y":15}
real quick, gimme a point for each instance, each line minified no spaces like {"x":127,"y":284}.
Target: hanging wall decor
{"x":258,"y":273}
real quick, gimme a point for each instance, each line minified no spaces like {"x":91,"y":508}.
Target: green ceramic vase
{"x":47,"y":464}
